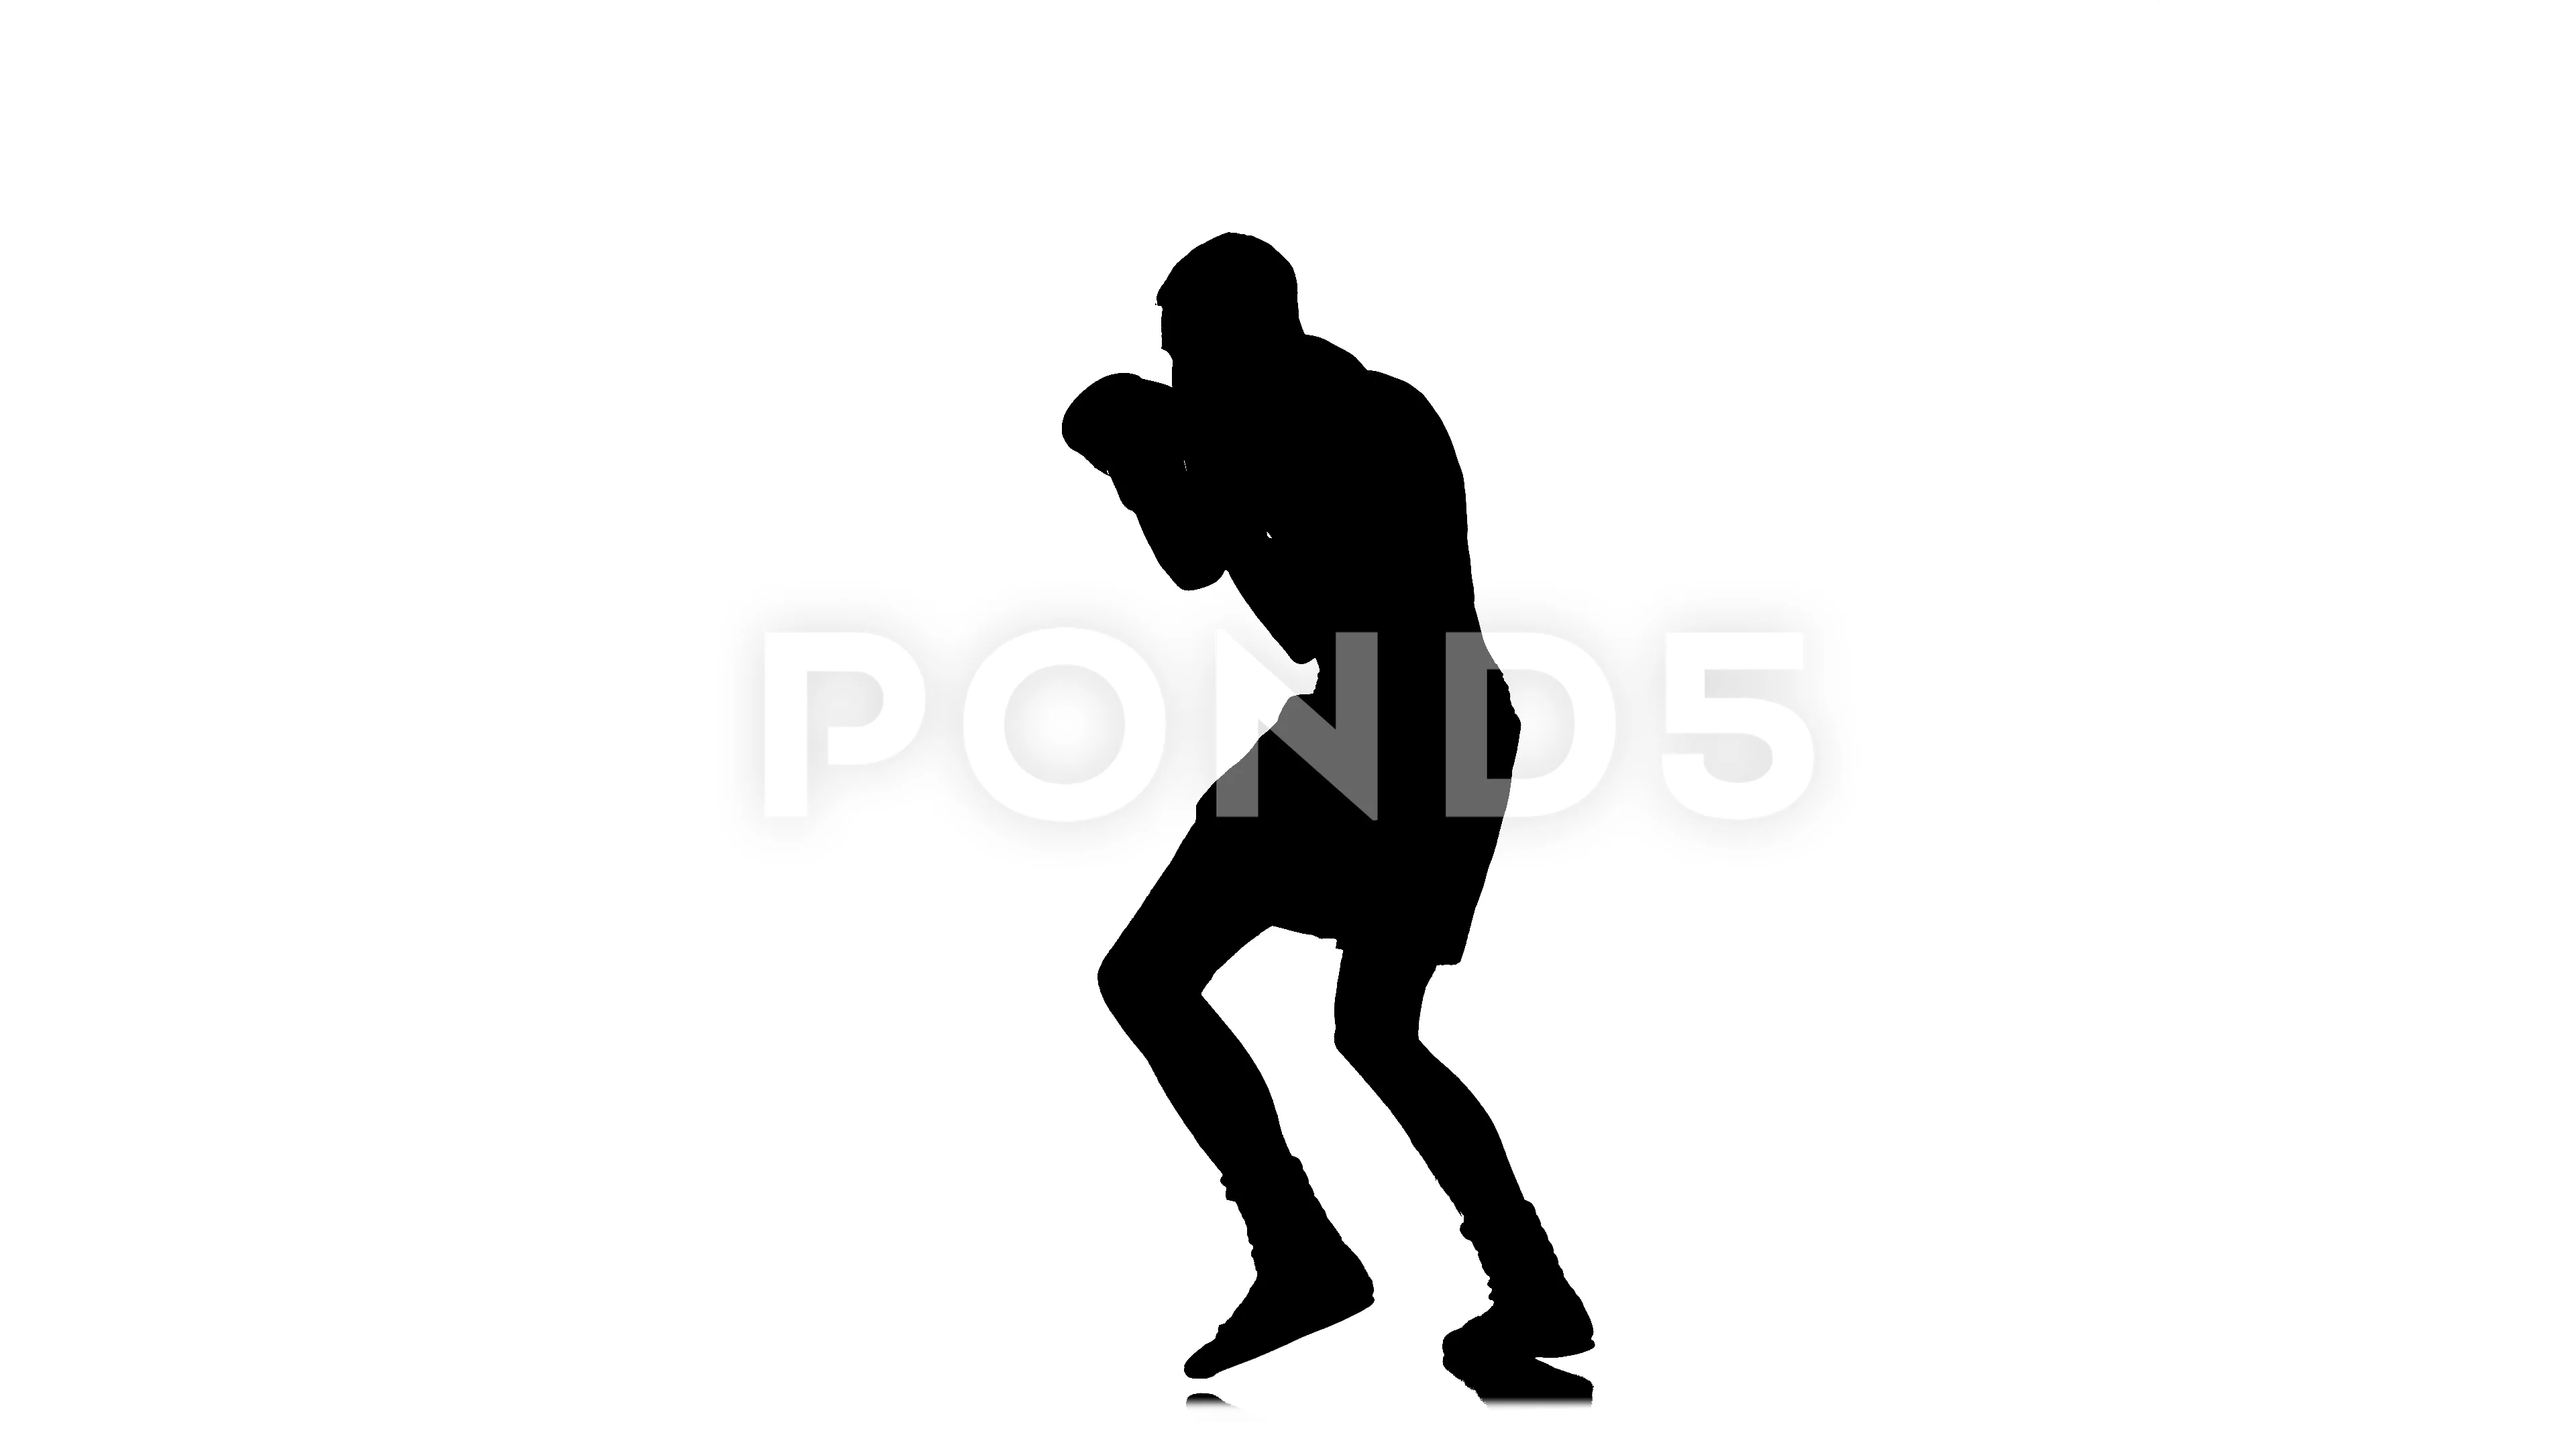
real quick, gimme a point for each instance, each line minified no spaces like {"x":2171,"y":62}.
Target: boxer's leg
{"x":1194,"y":920}
{"x":1153,"y":980}
{"x":1377,"y":1017}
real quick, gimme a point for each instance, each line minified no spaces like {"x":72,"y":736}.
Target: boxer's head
{"x":1231,"y":299}
{"x":1125,"y":426}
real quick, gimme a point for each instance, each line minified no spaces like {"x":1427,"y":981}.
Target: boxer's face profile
{"x":1212,"y":338}
{"x":1184,"y":334}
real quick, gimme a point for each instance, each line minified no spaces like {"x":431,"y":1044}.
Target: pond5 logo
{"x":791,"y":661}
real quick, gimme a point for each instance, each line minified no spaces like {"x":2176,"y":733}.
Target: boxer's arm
{"x":1188,"y":537}
{"x":1202,"y":533}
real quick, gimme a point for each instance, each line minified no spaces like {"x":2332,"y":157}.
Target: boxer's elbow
{"x":1185,"y":553}
{"x":1194,"y":574}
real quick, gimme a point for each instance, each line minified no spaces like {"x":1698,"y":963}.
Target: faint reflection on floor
{"x":1497,"y":1378}
{"x":1505,"y":1378}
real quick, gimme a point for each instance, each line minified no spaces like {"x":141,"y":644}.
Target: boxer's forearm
{"x":1177,"y":530}
{"x":1184,"y":543}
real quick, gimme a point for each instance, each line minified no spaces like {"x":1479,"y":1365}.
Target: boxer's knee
{"x":1122,"y":986}
{"x":1137,"y":981}
{"x":1377,"y":1014}
{"x":1374,"y":1045}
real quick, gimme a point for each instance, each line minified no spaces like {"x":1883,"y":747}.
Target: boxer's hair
{"x":1238,"y":282}
{"x":1122,"y":416}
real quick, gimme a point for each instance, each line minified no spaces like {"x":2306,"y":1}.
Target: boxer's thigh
{"x":1204,"y":908}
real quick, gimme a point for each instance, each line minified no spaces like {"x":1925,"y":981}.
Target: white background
{"x":2152,"y":1028}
